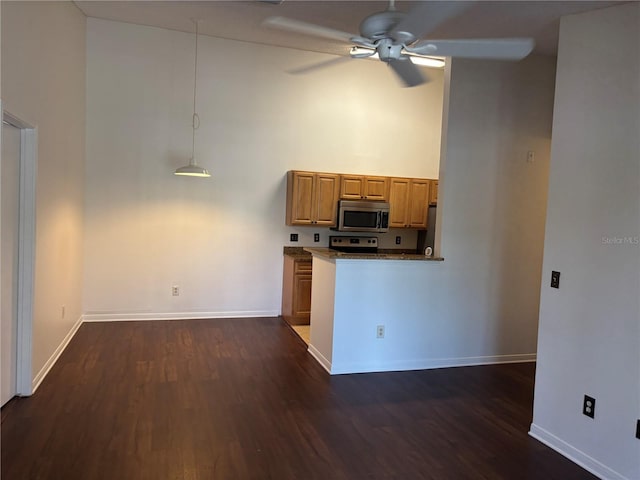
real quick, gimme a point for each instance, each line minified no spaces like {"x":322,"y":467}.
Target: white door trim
{"x":26,"y":251}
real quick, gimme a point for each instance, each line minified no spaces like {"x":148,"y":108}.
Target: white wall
{"x":492,"y":206}
{"x":589,"y":340}
{"x":323,"y":302}
{"x":221,"y":239}
{"x":43,"y":83}
{"x":352,"y":297}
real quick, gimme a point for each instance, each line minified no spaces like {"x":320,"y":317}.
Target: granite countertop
{"x":298,"y":253}
{"x":381,"y":255}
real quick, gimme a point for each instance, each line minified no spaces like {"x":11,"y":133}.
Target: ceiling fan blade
{"x":296,"y":26}
{"x":426,"y":16}
{"x":408,"y":72}
{"x":490,"y":48}
{"x":317,"y":66}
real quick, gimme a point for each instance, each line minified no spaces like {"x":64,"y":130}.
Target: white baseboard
{"x":135,"y":316}
{"x":422,"y":364}
{"x":428,"y":363}
{"x":577,"y":456}
{"x":321,"y":359}
{"x":54,"y":358}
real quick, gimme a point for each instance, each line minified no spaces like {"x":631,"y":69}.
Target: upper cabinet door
{"x":419,"y":203}
{"x":409,"y":202}
{"x":312,"y":198}
{"x":351,"y":187}
{"x":433,"y":193}
{"x":376,"y":188}
{"x":300,"y":192}
{"x":399,"y":202}
{"x":362,"y":187}
{"x":327,"y":187}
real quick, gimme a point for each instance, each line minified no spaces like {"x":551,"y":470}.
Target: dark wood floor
{"x":242,"y":399}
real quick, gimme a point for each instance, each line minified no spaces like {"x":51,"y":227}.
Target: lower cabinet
{"x":296,"y":290}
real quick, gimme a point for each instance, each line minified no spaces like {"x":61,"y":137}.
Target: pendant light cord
{"x":195,"y":120}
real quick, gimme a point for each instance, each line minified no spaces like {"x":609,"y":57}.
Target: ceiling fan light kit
{"x":393,"y":37}
{"x":365,"y":52}
{"x":427,"y":61}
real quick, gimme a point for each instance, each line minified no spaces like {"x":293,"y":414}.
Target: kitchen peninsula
{"x":370,"y":311}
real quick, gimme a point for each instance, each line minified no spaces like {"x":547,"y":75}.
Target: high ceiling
{"x":241,"y":20}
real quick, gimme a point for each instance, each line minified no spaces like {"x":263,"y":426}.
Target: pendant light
{"x":193,"y":169}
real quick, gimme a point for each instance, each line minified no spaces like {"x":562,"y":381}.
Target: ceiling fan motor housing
{"x":378,"y":25}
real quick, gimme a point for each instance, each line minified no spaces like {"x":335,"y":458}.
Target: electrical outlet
{"x":398,"y":240}
{"x":555,"y":279}
{"x":589,"y":406}
{"x":293,"y":237}
{"x":175,"y":290}
{"x":638,"y":429}
{"x":316,"y":237}
{"x":380,"y":331}
{"x":531,"y":156}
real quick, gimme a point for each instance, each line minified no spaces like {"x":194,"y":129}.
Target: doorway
{"x":10,"y":217}
{"x":17,"y":255}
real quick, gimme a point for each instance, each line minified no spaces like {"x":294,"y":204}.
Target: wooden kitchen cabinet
{"x":433,"y":193}
{"x":364,"y":187}
{"x":312,"y":198}
{"x":408,"y":202}
{"x":296,"y":290}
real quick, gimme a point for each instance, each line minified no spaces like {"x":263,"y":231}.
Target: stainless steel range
{"x":354,"y":244}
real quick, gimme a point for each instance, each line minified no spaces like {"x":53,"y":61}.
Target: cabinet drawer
{"x":302,"y":266}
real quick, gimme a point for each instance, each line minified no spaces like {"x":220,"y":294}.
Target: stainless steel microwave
{"x":357,"y":216}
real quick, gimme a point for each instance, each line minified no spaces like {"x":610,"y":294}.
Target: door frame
{"x":26,"y":251}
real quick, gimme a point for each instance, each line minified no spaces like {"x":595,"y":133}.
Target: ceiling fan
{"x":394,"y":36}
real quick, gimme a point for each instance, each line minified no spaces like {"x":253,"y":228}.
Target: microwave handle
{"x":379,"y":221}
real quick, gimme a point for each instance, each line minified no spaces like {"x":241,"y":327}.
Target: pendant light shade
{"x":193,"y":169}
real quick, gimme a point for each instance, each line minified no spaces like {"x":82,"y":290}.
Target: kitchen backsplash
{"x":306,"y":237}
